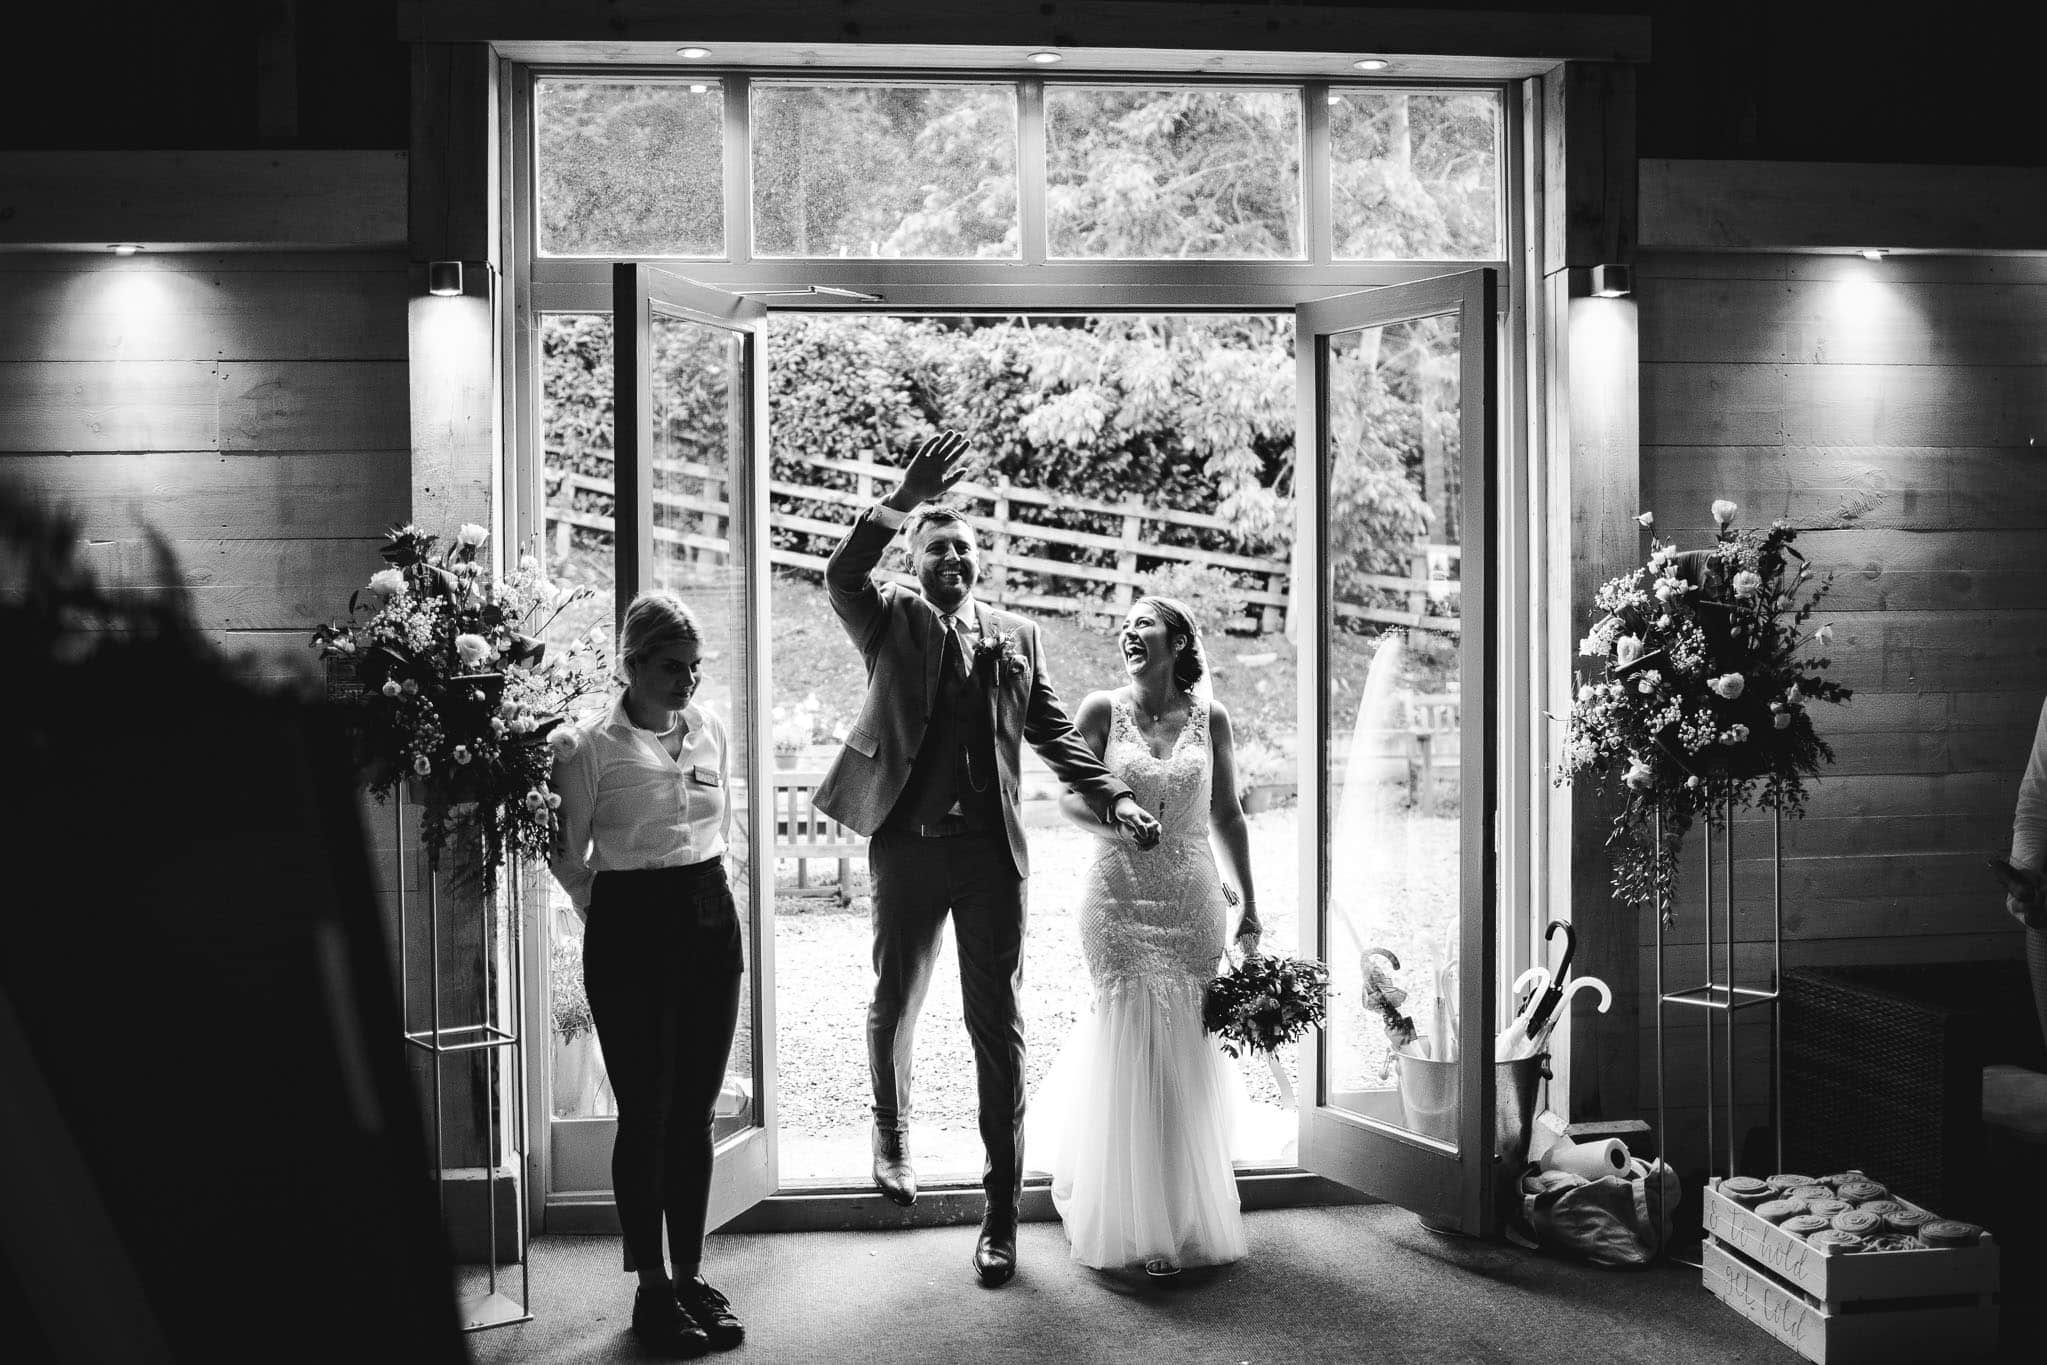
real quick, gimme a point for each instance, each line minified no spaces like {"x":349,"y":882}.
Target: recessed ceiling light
{"x":695,"y":54}
{"x":1045,"y":58}
{"x":1870,"y":253}
{"x":124,"y":248}
{"x":699,"y":89}
{"x":1371,"y":64}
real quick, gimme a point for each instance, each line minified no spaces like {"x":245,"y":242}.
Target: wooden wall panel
{"x":251,"y":408}
{"x":1896,"y":412}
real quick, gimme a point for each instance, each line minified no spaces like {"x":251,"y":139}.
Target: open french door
{"x":1397,"y":395}
{"x":690,"y":511}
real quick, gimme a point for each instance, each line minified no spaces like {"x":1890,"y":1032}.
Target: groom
{"x":930,"y":772}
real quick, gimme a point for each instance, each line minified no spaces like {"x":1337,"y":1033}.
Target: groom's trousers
{"x":918,"y":881}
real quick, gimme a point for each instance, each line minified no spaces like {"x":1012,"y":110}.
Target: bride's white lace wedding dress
{"x":1134,"y":1120}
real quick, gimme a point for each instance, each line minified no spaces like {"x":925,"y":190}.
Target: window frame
{"x":538,"y":284}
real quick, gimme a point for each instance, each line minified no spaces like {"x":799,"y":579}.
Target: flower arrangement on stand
{"x":1699,"y":701}
{"x":450,"y":689}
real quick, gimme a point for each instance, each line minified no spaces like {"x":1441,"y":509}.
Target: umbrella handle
{"x":1533,"y":982}
{"x":1605,"y":993}
{"x":1570,"y":948}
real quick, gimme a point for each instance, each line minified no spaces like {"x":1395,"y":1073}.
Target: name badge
{"x":706,"y":777}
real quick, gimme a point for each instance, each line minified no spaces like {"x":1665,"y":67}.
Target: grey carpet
{"x":1360,"y":1283}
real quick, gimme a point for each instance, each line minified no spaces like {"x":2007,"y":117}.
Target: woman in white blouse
{"x":644,"y":818}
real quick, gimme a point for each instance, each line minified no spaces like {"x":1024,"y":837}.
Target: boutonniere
{"x":998,"y":655}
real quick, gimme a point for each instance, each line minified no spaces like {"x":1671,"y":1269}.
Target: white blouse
{"x":627,"y":805}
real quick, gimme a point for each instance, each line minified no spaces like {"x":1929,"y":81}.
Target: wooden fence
{"x":698,"y":522}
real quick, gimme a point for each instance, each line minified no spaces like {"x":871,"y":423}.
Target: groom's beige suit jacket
{"x":898,"y":635}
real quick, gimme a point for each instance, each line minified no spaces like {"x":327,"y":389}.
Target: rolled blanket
{"x":1804,"y":1224}
{"x":1858,"y":1222}
{"x":1777,"y":1210}
{"x":1746,"y":1190}
{"x":1834,"y":1242}
{"x":1808,"y":1193}
{"x":1949,"y":1232}
{"x":1906,"y":1220}
{"x":1827,"y":1208}
{"x":1788,"y":1182}
{"x":1861,"y":1191}
{"x":1886,"y":1207}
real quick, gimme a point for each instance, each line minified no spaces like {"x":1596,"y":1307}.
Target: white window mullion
{"x":1030,"y":170}
{"x":1317,"y":239}
{"x":738,"y":169}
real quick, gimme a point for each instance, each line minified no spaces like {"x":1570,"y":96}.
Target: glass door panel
{"x":1396,"y":434}
{"x":670,"y":501}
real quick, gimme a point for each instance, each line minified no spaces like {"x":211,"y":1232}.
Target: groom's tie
{"x":956,"y":642}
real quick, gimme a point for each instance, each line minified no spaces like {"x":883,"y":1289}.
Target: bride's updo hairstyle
{"x":1190,"y":665}
{"x":654,"y":621}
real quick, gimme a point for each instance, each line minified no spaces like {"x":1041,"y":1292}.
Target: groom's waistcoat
{"x":956,"y":757}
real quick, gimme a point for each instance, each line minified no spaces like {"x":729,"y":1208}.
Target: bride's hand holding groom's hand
{"x":1135,"y":822}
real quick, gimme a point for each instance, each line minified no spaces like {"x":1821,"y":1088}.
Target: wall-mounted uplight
{"x":1371,"y":64}
{"x":444,"y":279}
{"x":1871,"y":253}
{"x":124,"y":248}
{"x":695,"y":54}
{"x":1612,"y":281}
{"x":1045,"y":58}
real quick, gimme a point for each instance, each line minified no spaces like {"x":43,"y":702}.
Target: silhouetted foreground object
{"x":213,"y":1150}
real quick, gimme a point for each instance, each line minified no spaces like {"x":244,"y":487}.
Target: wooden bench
{"x":803,"y":832}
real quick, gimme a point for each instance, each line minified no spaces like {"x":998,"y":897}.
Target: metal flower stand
{"x":1721,"y":997}
{"x":497,"y":1032}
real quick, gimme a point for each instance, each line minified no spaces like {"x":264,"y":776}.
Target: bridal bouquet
{"x":446,"y":684}
{"x":1265,"y":1002}
{"x":1698,"y":697}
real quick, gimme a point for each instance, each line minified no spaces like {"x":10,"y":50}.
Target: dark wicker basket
{"x":1883,"y":1071}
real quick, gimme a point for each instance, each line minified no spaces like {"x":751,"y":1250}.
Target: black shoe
{"x":893,"y":1174}
{"x":711,"y":1311}
{"x":995,"y":1249}
{"x":661,"y":1325}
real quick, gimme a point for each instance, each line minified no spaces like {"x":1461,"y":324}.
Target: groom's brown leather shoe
{"x":893,"y":1174}
{"x":995,"y":1249}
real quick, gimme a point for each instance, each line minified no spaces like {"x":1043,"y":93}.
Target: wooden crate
{"x":1930,"y":1303}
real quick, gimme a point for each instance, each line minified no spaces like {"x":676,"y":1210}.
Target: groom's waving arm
{"x":939,"y":463}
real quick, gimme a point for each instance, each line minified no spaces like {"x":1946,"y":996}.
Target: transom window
{"x":1027,"y":170}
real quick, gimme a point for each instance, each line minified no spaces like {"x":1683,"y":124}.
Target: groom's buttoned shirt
{"x":627,"y":805}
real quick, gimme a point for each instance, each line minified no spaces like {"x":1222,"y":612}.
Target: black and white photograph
{"x":1098,"y":682}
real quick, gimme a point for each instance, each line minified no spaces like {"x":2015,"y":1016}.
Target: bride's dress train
{"x":1136,"y":1119}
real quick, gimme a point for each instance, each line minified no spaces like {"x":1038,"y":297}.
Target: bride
{"x":1136,"y":1113}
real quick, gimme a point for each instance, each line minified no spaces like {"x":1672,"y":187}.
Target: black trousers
{"x":662,"y":967}
{"x":917,"y":882}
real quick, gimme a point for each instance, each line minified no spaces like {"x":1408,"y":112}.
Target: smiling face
{"x":1150,"y":647}
{"x":664,"y":679}
{"x":948,"y":562}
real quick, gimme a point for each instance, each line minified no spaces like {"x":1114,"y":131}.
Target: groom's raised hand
{"x":940,"y":462}
{"x":1137,"y":823}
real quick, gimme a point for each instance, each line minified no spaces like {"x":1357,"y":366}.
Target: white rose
{"x":1638,"y":774}
{"x":1728,"y":685}
{"x":390,"y":687}
{"x":1746,"y":583}
{"x":387,"y":583}
{"x":1627,"y":649}
{"x":535,"y":801}
{"x":1723,"y":511}
{"x":421,"y":766}
{"x":1646,"y":518}
{"x":461,"y":754}
{"x":471,"y":534}
{"x":472,"y":649}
